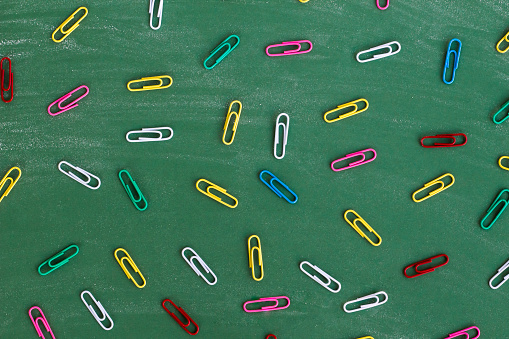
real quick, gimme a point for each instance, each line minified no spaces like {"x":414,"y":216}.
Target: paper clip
{"x":11,"y":181}
{"x":356,"y":163}
{"x":286,"y":126}
{"x":498,"y":200}
{"x":500,"y":162}
{"x":366,"y":306}
{"x":250,"y":251}
{"x":212,"y":186}
{"x":70,"y":105}
{"x":154,"y":130}
{"x":499,"y":272}
{"x":433,"y":182}
{"x":303,"y":1}
{"x":72,"y":28}
{"x":456,"y":61}
{"x":159,"y":13}
{"x":158,"y":78}
{"x":73,"y":176}
{"x":290,"y":52}
{"x":348,"y":114}
{"x":272,"y":335}
{"x":188,"y":318}
{"x":465,"y":332}
{"x":229,"y":49}
{"x":380,"y":48}
{"x":136,"y":189}
{"x":424,"y":262}
{"x":380,"y":7}
{"x":368,"y":337}
{"x":328,"y":279}
{"x":235,"y":122}
{"x":267,"y":308}
{"x":365,"y":224}
{"x":506,"y":39}
{"x":201,"y":262}
{"x":10,"y":76}
{"x":501,"y":111}
{"x":274,"y":189}
{"x":452,"y":137}
{"x":57,"y":256}
{"x":98,"y":304}
{"x":128,"y":258}
{"x":44,"y":322}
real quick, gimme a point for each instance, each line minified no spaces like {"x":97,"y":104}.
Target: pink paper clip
{"x":69,"y":106}
{"x":290,"y":52}
{"x":267,"y":308}
{"x":44,"y":322}
{"x":355,"y":163}
{"x":382,"y":8}
{"x":465,"y":332}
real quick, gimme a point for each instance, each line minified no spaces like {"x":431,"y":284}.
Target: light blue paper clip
{"x":274,"y":189}
{"x":456,"y":60}
{"x":225,"y":53}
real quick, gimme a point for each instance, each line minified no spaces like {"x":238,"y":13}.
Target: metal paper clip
{"x":250,"y":251}
{"x":159,"y":13}
{"x":70,"y":105}
{"x":137,"y":190}
{"x":158,"y":78}
{"x":274,"y":189}
{"x":267,"y":308}
{"x":286,"y":126}
{"x":98,"y":304}
{"x":290,"y":52}
{"x":328,"y":279}
{"x":212,"y":186}
{"x":500,"y":162}
{"x":452,"y":137}
{"x":353,"y":223}
{"x":365,"y":307}
{"x":188,"y":318}
{"x":44,"y":322}
{"x":10,"y":77}
{"x":456,"y":60}
{"x":424,"y":262}
{"x":465,"y":332}
{"x":433,"y":182}
{"x":201,"y":262}
{"x":235,"y":122}
{"x":380,"y":7}
{"x":499,"y":272}
{"x":498,"y":200}
{"x":130,"y":261}
{"x":66,"y":32}
{"x":229,"y":49}
{"x":501,"y":111}
{"x":506,"y":39}
{"x":348,"y":114}
{"x":73,"y":176}
{"x":53,"y":266}
{"x":154,"y":130}
{"x":356,"y":163}
{"x":380,"y":48}
{"x":11,"y":181}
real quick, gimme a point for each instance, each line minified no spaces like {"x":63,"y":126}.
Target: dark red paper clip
{"x":271,"y":336}
{"x":444,"y":136}
{"x":188,"y":318}
{"x":2,"y":83}
{"x":424,"y":262}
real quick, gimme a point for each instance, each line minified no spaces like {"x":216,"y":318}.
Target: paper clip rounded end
{"x":500,"y":162}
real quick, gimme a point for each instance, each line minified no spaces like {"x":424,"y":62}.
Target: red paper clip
{"x":444,"y":136}
{"x":11,"y":80}
{"x":271,"y":336}
{"x":424,"y":262}
{"x":188,"y":318}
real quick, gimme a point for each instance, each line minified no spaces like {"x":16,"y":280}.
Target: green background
{"x":46,"y":211}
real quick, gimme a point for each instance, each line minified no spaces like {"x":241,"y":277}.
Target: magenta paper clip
{"x":355,"y":163}
{"x":69,"y":106}
{"x":267,"y":308}
{"x":380,"y":7}
{"x":465,"y":332}
{"x":292,"y":51}
{"x":44,"y":322}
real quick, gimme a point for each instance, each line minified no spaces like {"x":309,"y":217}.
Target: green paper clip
{"x":225,"y":53}
{"x":499,"y":201}
{"x":136,"y":188}
{"x":500,"y":111}
{"x":56,"y":256}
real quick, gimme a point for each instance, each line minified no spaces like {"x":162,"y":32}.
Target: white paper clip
{"x":365,"y":307}
{"x":88,"y":175}
{"x":156,"y":130}
{"x":285,"y":125}
{"x":159,"y":13}
{"x":327,"y":277}
{"x":500,"y":270}
{"x":202,"y":263}
{"x":381,"y":55}
{"x":101,"y":308}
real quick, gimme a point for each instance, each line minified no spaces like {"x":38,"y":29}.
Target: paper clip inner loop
{"x":274,"y":307}
{"x":250,"y":250}
{"x":380,"y":48}
{"x":419,"y":271}
{"x":499,"y":272}
{"x":139,"y":196}
{"x":433,"y":182}
{"x":297,"y":50}
{"x":465,"y":332}
{"x":130,"y":261}
{"x":451,"y":137}
{"x":12,"y":181}
{"x":348,"y":114}
{"x":98,"y":304}
{"x":159,"y":84}
{"x":356,"y":163}
{"x":380,"y":6}
{"x":499,"y":200}
{"x":504,"y":39}
{"x":212,"y":186}
{"x":456,"y":60}
{"x":499,"y":112}
{"x":325,"y":276}
{"x":159,"y":13}
{"x":44,"y":321}
{"x":500,"y":162}
{"x":196,"y":270}
{"x":236,"y":116}
{"x":150,"y":130}
{"x":285,"y":126}
{"x":68,"y":31}
{"x":270,"y":184}
{"x":354,"y":225}
{"x":10,"y":80}
{"x":70,"y":105}
{"x":229,"y":49}
{"x":73,"y":176}
{"x":58,"y":256}
{"x":186,"y":316}
{"x":376,"y":296}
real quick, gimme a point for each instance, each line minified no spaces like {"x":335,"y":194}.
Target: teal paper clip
{"x":274,"y":189}
{"x":53,"y":266}
{"x":498,"y":200}
{"x":225,"y":53}
{"x":500,"y":111}
{"x":456,"y":60}
{"x":136,"y":189}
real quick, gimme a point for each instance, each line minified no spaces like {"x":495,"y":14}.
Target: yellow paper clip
{"x":158,"y":78}
{"x":12,"y":182}
{"x":357,"y":228}
{"x":500,"y":162}
{"x":66,"y":32}
{"x":348,"y":114}
{"x":235,"y":122}
{"x":251,"y":256}
{"x":133,"y":265}
{"x":215,"y":197}
{"x":506,"y":39}
{"x":303,"y":1}
{"x":434,"y":182}
{"x":366,"y":338}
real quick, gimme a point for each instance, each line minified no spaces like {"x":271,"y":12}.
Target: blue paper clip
{"x":140,"y":197}
{"x":500,"y":111}
{"x":274,"y":189}
{"x":225,"y":53}
{"x":498,"y":200}
{"x":456,"y":60}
